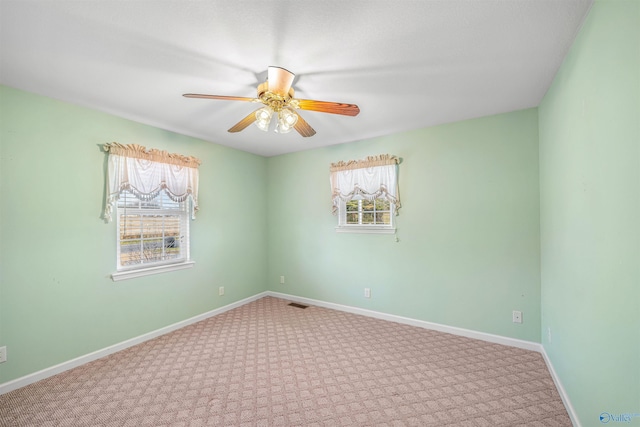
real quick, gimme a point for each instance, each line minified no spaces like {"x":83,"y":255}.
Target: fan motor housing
{"x":273,"y":100}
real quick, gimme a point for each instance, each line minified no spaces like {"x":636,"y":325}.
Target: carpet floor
{"x":267,"y":363}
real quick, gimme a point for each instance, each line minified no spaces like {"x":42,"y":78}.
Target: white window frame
{"x":154,"y":267}
{"x":343,"y":227}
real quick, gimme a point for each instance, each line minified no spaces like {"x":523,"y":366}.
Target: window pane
{"x":352,"y":205}
{"x":352,"y":218}
{"x":383,"y":218}
{"x":382,"y":205}
{"x":152,"y":250}
{"x":130,"y":227}
{"x":367,"y":205}
{"x":367,"y":217}
{"x":171,"y":248}
{"x":130,"y":253}
{"x":171,"y":244}
{"x":148,"y":234}
{"x":151,"y":226}
{"x":172,"y":226}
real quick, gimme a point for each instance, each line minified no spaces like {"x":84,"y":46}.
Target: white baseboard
{"x":512,"y":342}
{"x":563,"y":394}
{"x":78,"y":361}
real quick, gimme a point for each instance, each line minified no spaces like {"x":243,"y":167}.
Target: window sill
{"x":365,"y":229}
{"x":140,"y":272}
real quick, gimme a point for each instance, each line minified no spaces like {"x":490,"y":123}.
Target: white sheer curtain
{"x":146,"y":173}
{"x":375,"y":177}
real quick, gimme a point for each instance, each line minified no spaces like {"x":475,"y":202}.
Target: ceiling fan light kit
{"x":263,"y":118}
{"x":277,"y":95}
{"x":287,"y":118}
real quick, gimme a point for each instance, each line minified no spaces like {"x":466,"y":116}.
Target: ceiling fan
{"x":277,"y":95}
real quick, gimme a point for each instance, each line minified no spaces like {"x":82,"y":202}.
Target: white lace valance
{"x":375,"y":177}
{"x":146,"y":173}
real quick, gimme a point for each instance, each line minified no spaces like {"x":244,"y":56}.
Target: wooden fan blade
{"x":303,"y":127}
{"x":242,"y":124}
{"x":279,"y":80}
{"x":328,"y":107}
{"x":226,"y":98}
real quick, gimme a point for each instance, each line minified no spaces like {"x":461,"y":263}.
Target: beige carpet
{"x":269,"y":364}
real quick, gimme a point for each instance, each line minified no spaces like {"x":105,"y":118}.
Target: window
{"x":151,"y":233}
{"x":154,"y":194}
{"x":368,"y":212}
{"x":363,"y":213}
{"x":365,"y":194}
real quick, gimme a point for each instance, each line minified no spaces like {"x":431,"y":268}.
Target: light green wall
{"x":468,"y":250}
{"x":56,"y":299}
{"x":590,"y":215}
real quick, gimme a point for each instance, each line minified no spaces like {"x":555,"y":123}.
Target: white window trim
{"x":367,"y":229}
{"x":141,"y":211}
{"x":343,"y":227}
{"x":141,"y":272}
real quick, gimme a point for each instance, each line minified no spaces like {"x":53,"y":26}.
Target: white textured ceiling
{"x":406,"y":64}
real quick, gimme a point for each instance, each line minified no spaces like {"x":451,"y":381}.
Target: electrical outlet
{"x":367,"y":292}
{"x":517,"y":316}
{"x":549,"y":334}
{"x":221,"y":290}
{"x":282,"y":280}
{"x":3,"y":354}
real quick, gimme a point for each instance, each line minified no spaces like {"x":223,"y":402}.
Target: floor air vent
{"x":295,"y":304}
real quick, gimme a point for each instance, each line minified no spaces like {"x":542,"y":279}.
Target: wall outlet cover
{"x":517,"y":316}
